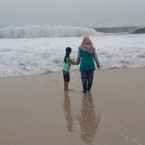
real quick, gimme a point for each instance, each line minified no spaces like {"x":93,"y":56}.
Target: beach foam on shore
{"x":20,"y":57}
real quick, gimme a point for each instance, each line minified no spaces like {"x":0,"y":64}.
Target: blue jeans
{"x":87,"y":80}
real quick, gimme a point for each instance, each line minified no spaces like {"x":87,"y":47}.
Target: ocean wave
{"x":36,"y":31}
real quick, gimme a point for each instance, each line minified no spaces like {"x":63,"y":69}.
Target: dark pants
{"x":87,"y":80}
{"x":66,"y":76}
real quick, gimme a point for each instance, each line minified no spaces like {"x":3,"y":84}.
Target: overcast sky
{"x":96,"y":13}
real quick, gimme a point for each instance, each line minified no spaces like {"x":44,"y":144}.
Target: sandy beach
{"x":35,"y":111}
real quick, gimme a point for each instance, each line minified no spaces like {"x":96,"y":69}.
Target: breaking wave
{"x":36,"y":31}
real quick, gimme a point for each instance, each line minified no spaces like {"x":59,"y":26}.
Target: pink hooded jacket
{"x":87,"y":45}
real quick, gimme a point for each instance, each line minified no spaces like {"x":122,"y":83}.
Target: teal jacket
{"x":87,"y":60}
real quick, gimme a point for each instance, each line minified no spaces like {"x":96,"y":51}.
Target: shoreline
{"x":72,"y":71}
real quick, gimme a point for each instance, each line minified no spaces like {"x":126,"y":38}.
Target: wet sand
{"x":35,"y":111}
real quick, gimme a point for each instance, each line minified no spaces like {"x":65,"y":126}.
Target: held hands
{"x":73,"y":61}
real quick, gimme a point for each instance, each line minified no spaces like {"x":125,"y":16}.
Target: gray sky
{"x":98,"y":13}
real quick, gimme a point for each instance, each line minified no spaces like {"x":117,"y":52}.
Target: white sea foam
{"x":40,"y":55}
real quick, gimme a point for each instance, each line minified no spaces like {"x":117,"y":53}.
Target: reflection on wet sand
{"x":68,"y":113}
{"x":88,"y":120}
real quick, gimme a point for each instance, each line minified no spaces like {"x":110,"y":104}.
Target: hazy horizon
{"x":95,"y":13}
